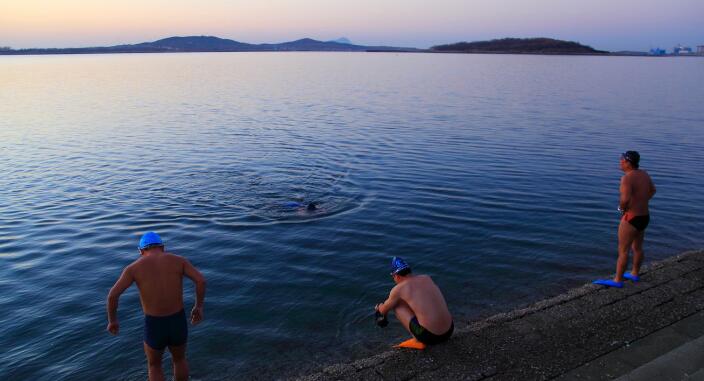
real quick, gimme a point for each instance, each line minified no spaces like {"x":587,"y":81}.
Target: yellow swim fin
{"x":411,"y":343}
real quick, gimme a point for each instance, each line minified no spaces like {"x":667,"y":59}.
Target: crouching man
{"x":418,"y":304}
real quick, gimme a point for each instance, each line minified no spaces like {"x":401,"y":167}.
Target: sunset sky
{"x":603,"y":24}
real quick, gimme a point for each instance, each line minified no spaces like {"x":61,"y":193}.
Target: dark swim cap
{"x":398,"y":264}
{"x":150,"y":239}
{"x":632,"y":157}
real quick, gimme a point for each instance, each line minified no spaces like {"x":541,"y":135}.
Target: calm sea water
{"x":496,"y":174}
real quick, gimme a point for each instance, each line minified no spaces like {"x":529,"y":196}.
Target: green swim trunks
{"x":426,"y":337}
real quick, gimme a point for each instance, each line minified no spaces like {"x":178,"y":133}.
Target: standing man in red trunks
{"x":159,"y":277}
{"x":637,"y":189}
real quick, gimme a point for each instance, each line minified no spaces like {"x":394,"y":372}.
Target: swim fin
{"x":608,"y":283}
{"x":411,"y":344}
{"x":631,"y":277}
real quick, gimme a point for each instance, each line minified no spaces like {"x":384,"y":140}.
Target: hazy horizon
{"x":626,"y":25}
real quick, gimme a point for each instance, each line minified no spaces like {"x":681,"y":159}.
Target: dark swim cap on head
{"x":632,"y":157}
{"x":398,"y":264}
{"x":150,"y":239}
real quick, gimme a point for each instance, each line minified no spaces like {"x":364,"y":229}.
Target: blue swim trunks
{"x":163,"y":331}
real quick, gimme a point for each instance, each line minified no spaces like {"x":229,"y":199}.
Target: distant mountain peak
{"x":305,"y":40}
{"x":191,"y":38}
{"x":195,"y":43}
{"x":342,"y":40}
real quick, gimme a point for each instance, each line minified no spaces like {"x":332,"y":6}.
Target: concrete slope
{"x":553,"y":337}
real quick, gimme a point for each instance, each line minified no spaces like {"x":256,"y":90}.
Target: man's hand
{"x":114,"y":327}
{"x":196,"y":315}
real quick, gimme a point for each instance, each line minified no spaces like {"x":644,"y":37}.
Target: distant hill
{"x":194,"y":44}
{"x":519,"y":45}
{"x":310,"y":45}
{"x":342,"y":40}
{"x":213,"y":44}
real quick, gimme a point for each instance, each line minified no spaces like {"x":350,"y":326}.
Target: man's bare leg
{"x":638,"y":254}
{"x":404,"y":314}
{"x":154,"y":363}
{"x":178,"y":357}
{"x":626,"y":235}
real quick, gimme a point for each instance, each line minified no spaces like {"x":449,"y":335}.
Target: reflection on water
{"x":498,"y":175}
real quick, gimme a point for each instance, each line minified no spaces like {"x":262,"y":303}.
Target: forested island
{"x":519,"y":46}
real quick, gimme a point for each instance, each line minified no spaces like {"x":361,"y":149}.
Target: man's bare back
{"x":159,"y":278}
{"x":427,"y":302}
{"x":636,"y":190}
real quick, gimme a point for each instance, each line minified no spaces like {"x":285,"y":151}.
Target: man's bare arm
{"x":652,"y":189}
{"x":193,"y":274}
{"x":390,"y":303}
{"x":625,"y":194}
{"x":125,"y":281}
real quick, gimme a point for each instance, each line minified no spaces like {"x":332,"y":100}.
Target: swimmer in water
{"x":310,"y":207}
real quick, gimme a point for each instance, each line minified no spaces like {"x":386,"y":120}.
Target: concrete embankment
{"x":653,"y":329}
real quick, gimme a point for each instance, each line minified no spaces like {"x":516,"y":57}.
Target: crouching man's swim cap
{"x":398,"y":264}
{"x":150,"y":239}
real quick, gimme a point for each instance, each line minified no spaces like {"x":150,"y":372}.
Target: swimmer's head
{"x":399,"y":267}
{"x":632,"y":157}
{"x":312,"y":206}
{"x":150,"y":240}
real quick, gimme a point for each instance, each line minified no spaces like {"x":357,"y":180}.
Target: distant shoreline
{"x":428,"y":51}
{"x":211,"y":44}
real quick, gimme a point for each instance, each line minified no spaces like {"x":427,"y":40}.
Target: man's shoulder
{"x":135,"y":264}
{"x":175,"y":258}
{"x":640,"y":174}
{"x":630,"y":177}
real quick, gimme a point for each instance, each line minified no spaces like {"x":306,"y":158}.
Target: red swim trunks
{"x":638,"y":222}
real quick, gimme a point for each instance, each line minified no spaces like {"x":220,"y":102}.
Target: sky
{"x":603,"y":24}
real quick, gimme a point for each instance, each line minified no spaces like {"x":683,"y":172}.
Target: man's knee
{"x":178,"y":358}
{"x":178,"y":354}
{"x":623,"y":250}
{"x":154,"y":361}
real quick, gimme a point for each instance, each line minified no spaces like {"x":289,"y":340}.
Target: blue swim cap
{"x":150,"y":239}
{"x":398,"y":264}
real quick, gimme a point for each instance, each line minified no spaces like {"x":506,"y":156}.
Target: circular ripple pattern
{"x":497,"y":175}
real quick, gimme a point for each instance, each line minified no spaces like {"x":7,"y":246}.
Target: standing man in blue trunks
{"x":637,"y":189}
{"x":418,"y":304}
{"x":159,"y":276}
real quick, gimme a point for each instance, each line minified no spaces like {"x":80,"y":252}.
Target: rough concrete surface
{"x":589,"y":333}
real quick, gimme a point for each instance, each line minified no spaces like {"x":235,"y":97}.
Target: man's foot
{"x":412,"y":344}
{"x":631,"y":277}
{"x":608,"y":283}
